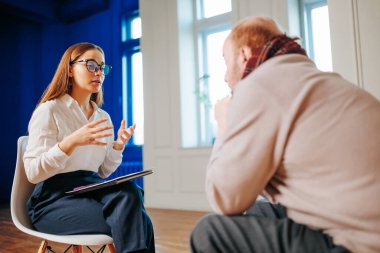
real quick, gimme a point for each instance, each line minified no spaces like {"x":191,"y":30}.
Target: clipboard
{"x":107,"y":183}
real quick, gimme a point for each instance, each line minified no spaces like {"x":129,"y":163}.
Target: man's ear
{"x":246,"y":52}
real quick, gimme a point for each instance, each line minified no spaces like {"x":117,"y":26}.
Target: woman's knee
{"x":131,"y":192}
{"x":132,"y":188}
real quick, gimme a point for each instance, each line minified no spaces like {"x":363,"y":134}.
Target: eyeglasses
{"x":93,"y":66}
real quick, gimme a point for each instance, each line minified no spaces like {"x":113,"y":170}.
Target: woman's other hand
{"x":86,"y":135}
{"x":123,"y":135}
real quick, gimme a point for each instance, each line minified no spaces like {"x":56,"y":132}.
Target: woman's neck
{"x":83,"y":100}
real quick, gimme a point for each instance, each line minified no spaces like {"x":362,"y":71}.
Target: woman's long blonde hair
{"x":61,"y":83}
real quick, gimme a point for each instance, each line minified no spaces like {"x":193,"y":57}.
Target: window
{"x":132,"y":78}
{"x":316,"y":32}
{"x":211,"y":8}
{"x":132,"y":93}
{"x":212,"y":26}
{"x":131,"y":88}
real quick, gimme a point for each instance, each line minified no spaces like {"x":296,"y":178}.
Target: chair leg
{"x":111,"y":247}
{"x":77,"y":249}
{"x":43,"y":246}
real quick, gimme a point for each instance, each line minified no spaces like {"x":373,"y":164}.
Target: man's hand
{"x":221,"y":111}
{"x":123,"y":135}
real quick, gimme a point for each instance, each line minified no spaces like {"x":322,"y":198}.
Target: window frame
{"x":129,"y":47}
{"x":307,"y":32}
{"x":204,"y":27}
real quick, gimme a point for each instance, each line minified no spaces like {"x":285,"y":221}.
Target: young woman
{"x":71,"y":143}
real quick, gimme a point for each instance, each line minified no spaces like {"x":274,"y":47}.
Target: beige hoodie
{"x":311,"y":141}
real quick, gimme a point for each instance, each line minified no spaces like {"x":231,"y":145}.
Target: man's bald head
{"x":254,"y":32}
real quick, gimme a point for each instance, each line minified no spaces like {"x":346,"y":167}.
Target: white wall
{"x":355,"y":39}
{"x":179,"y":174}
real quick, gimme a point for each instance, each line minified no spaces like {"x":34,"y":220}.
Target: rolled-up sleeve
{"x":43,"y":158}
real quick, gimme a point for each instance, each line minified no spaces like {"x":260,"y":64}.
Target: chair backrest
{"x":21,"y":189}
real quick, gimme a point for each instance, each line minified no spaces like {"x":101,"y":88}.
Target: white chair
{"x":21,"y":191}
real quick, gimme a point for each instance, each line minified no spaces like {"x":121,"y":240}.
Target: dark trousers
{"x":264,"y":228}
{"x":117,"y":211}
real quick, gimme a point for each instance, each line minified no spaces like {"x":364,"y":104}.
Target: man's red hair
{"x":254,"y":33}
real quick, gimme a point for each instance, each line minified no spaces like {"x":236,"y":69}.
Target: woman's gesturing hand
{"x":123,"y":135}
{"x":86,"y":135}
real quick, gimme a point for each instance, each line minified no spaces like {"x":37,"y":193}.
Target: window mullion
{"x":213,"y":22}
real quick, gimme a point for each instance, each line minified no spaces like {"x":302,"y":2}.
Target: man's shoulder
{"x":288,"y":62}
{"x":284,"y":70}
{"x":279,"y":81}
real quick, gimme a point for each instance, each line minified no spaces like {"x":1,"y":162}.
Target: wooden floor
{"x":172,"y":231}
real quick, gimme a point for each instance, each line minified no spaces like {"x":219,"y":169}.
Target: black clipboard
{"x":107,"y":183}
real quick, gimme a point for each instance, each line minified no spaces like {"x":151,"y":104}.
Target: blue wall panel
{"x":20,"y":71}
{"x":30,"y":51}
{"x":9,"y":98}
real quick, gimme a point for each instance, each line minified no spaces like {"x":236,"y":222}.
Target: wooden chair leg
{"x":111,"y":247}
{"x":43,"y":246}
{"x":77,"y":249}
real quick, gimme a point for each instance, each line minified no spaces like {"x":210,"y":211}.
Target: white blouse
{"x":50,"y":123}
